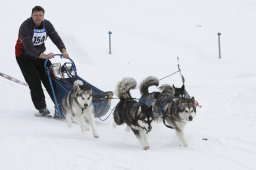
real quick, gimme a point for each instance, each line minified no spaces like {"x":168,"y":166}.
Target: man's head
{"x":37,"y":15}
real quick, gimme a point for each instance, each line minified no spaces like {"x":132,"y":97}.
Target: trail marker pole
{"x":219,"y":44}
{"x":109,"y":41}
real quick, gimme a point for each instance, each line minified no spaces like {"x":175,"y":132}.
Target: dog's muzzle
{"x":149,"y":127}
{"x":85,"y":106}
{"x":190,"y":118}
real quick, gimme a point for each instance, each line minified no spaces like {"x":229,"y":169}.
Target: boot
{"x":44,"y":111}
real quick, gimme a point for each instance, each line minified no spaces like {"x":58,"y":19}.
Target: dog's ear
{"x":194,"y":103}
{"x":80,"y":87}
{"x":193,"y":99}
{"x":77,"y":82}
{"x":183,"y":87}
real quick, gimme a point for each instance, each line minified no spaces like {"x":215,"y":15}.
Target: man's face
{"x":38,"y":17}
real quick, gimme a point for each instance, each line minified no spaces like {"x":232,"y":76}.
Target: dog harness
{"x":129,"y":112}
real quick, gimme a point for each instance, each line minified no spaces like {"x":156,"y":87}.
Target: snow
{"x":147,"y":38}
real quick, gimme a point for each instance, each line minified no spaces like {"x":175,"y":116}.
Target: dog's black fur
{"x":134,"y":114}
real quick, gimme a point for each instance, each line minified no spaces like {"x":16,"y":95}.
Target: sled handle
{"x":61,"y":55}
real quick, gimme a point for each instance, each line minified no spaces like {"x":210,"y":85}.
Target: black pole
{"x":219,"y":44}
{"x":109,"y":41}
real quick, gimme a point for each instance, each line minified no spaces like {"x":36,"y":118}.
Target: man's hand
{"x":65,"y":53}
{"x":46,"y":56}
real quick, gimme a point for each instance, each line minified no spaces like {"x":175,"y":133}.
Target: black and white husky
{"x":134,"y":114}
{"x":77,"y":106}
{"x":169,"y":105}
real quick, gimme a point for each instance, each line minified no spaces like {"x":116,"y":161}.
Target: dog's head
{"x":186,"y":108}
{"x":145,"y":117}
{"x":83,"y":94}
{"x":179,"y":92}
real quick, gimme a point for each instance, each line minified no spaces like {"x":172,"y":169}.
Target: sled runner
{"x":62,"y":75}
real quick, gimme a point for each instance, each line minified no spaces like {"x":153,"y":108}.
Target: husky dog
{"x":177,"y":115}
{"x":134,"y":114}
{"x":77,"y":106}
{"x":171,"y":106}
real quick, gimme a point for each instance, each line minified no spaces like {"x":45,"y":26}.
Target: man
{"x":30,"y":56}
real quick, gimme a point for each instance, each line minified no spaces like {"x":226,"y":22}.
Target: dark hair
{"x":38,"y":8}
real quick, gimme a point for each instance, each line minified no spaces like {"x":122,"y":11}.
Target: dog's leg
{"x":140,"y":136}
{"x":69,"y":119}
{"x":114,"y":124}
{"x":128,"y":128}
{"x":144,"y":139}
{"x":82,"y":123}
{"x":179,"y":127}
{"x":91,"y":120}
{"x":87,"y":127}
{"x":181,"y":136}
{"x":137,"y":134}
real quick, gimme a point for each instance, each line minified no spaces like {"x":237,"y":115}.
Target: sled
{"x":62,"y":75}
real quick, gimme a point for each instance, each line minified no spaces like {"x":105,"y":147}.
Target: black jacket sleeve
{"x":54,"y":36}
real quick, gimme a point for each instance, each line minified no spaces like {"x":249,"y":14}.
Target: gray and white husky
{"x":136,"y":115}
{"x":77,"y":106}
{"x":170,"y":108}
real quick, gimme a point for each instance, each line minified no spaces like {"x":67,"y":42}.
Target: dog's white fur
{"x":186,"y":113}
{"x":74,"y":110}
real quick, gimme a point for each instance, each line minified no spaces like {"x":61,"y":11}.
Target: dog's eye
{"x":186,"y":111}
{"x":82,"y":97}
{"x":88,"y":98}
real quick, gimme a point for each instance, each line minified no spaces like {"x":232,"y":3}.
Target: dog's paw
{"x":96,"y":136}
{"x":87,"y":128}
{"x":127,"y":129}
{"x":114,"y":125}
{"x":95,"y":133}
{"x":146,"y":148}
{"x":185,"y":145}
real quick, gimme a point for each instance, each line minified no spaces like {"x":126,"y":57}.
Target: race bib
{"x":39,"y":36}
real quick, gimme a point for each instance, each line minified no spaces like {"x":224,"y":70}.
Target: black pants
{"x":34,"y":73}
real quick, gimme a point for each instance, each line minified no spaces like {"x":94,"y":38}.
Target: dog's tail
{"x":124,"y":87}
{"x":146,"y":83}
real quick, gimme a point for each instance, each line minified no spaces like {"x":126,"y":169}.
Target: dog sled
{"x":62,"y":75}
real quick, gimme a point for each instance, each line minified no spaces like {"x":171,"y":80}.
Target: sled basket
{"x":62,"y":77}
